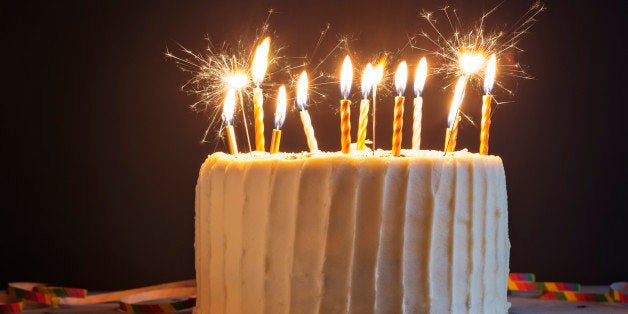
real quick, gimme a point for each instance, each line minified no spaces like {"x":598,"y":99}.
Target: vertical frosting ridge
{"x":217,"y":285}
{"x":201,"y":224}
{"x":340,"y":235}
{"x":417,"y":237}
{"x":440,"y":250}
{"x":389,"y":272}
{"x":284,"y":190}
{"x":310,"y":237}
{"x":254,"y":224}
{"x":369,"y":204}
{"x":460,"y":257}
{"x":235,"y":179}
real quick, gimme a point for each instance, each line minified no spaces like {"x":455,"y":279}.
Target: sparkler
{"x":466,"y":51}
{"x":227,"y":116}
{"x":377,"y":78}
{"x":213,"y":74}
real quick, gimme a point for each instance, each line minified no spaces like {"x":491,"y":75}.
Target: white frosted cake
{"x":333,"y":233}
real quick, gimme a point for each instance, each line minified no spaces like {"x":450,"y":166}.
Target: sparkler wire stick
{"x":374,"y":107}
{"x":246,"y":128}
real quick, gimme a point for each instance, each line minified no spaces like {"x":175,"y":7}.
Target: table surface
{"x":520,"y":305}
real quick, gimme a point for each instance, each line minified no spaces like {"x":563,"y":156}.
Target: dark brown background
{"x":101,"y":153}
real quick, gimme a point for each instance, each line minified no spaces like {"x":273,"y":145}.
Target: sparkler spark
{"x":227,"y":66}
{"x":236,"y":80}
{"x":471,"y":62}
{"x":466,"y":50}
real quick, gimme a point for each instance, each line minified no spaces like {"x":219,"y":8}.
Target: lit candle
{"x":400,"y":85}
{"x":489,"y":79}
{"x":377,"y":78}
{"x":258,"y":70}
{"x":419,"y":83}
{"x":346,"y":76}
{"x":305,"y":116}
{"x":454,"y":115}
{"x":367,"y":85}
{"x":227,"y":117}
{"x":280,"y":117}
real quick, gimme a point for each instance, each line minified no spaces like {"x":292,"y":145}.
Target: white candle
{"x":419,"y":83}
{"x":305,"y":116}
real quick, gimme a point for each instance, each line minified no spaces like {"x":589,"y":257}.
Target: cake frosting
{"x":351,"y":233}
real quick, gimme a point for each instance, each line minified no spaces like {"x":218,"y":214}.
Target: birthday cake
{"x":337,"y":233}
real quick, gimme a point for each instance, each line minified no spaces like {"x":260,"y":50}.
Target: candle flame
{"x":471,"y":62}
{"x":457,"y":100}
{"x":260,"y":61}
{"x":229,"y":106}
{"x":280,"y":112}
{"x":302,"y":91}
{"x":420,"y":76}
{"x":346,"y":76}
{"x":368,"y":79}
{"x":489,"y":74}
{"x":236,"y":80}
{"x":401,"y":77}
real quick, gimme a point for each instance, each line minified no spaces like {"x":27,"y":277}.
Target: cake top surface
{"x":356,"y":155}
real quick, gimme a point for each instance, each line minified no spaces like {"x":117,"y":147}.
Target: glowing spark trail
{"x":466,"y":50}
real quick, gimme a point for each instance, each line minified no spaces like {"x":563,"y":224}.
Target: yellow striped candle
{"x":489,"y":79}
{"x":260,"y":64}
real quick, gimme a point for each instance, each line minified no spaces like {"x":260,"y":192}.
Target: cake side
{"x":294,"y":233}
